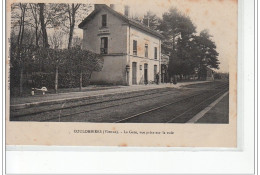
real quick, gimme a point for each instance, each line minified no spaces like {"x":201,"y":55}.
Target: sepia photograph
{"x":130,"y":86}
{"x":153,"y":62}
{"x":110,"y":63}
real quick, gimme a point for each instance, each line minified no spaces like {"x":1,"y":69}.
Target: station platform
{"x":219,"y":113}
{"x":216,"y":112}
{"x":23,"y":102}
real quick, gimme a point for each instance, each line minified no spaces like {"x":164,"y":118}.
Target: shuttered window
{"x":104,"y":45}
{"x":134,"y":47}
{"x":146,"y":50}
{"x":155,"y":53}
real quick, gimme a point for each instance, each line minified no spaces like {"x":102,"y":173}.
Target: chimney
{"x":112,"y":6}
{"x":127,"y":10}
{"x":97,"y":6}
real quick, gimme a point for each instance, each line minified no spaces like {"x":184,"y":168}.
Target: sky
{"x":218,"y":16}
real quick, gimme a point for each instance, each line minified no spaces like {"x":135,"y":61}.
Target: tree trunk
{"x":21,"y":25}
{"x":80,"y":81}
{"x":56,"y":79}
{"x":21,"y":39}
{"x":89,"y":77}
{"x":72,"y":18}
{"x":21,"y":81}
{"x":36,"y":37}
{"x":35,"y":16}
{"x":172,"y":67}
{"x":71,"y":28}
{"x":43,"y":26}
{"x":19,"y":34}
{"x":70,"y":37}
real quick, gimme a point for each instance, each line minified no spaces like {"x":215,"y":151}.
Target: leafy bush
{"x":42,"y":79}
{"x":68,"y":80}
{"x":42,"y":64}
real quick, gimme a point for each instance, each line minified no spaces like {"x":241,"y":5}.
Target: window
{"x":103,"y":46}
{"x":155,"y":53}
{"x":146,"y":50}
{"x":134,"y":47}
{"x":155,"y":72}
{"x":104,"y":20}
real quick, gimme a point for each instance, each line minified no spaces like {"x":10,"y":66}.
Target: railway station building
{"x":131,"y":50}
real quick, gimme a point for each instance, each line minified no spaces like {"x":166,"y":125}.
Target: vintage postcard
{"x":151,"y":73}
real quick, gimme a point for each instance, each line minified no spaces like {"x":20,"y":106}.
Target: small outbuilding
{"x":207,"y":74}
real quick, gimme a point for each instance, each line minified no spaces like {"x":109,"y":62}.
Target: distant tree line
{"x":188,"y":51}
{"x":43,"y":56}
{"x":220,"y":75}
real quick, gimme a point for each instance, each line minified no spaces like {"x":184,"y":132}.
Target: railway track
{"x":129,"y":102}
{"x":173,"y":103}
{"x":196,"y":106}
{"x":139,"y":96}
{"x":85,"y":102}
{"x":109,"y":106}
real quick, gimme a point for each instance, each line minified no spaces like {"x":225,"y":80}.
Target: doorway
{"x":145,"y":73}
{"x":155,"y":72}
{"x":134,"y":70}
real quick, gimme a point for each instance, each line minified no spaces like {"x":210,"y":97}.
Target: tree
{"x":177,"y":29}
{"x":84,"y":62}
{"x":36,"y":24}
{"x":175,"y":25}
{"x":43,"y":25}
{"x":23,"y":8}
{"x":76,"y":41}
{"x":71,"y":10}
{"x":21,"y":56}
{"x":18,"y":25}
{"x":55,"y":58}
{"x":205,"y":52}
{"x":93,"y":62}
{"x":76,"y":60}
{"x":31,"y":52}
{"x":137,"y":18}
{"x":67,"y":16}
{"x":151,"y":20}
{"x":74,"y":13}
{"x":43,"y":17}
{"x":56,"y":39}
{"x":18,"y":52}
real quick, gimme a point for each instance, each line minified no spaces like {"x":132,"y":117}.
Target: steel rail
{"x":87,"y":104}
{"x":90,"y":110}
{"x":196,"y":106}
{"x":99,"y":102}
{"x":160,"y":107}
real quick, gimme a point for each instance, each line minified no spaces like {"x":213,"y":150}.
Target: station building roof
{"x":131,"y":22}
